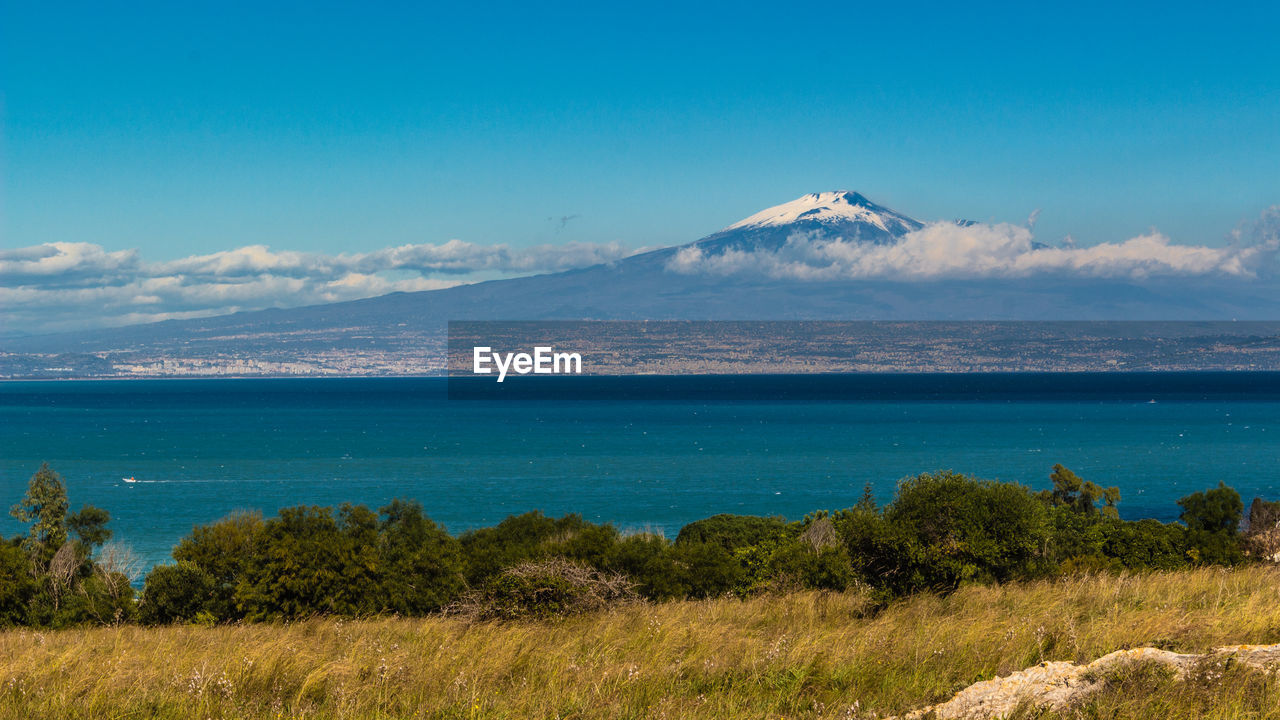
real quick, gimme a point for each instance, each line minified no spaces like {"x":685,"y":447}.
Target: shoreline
{"x":725,"y":375}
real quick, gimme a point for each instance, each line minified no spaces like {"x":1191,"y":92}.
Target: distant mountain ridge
{"x":644,"y":287}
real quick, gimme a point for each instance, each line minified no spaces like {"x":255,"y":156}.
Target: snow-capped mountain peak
{"x":829,"y":208}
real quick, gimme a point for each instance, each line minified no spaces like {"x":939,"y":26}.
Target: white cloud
{"x":59,"y":286}
{"x":950,"y":250}
{"x":62,"y":263}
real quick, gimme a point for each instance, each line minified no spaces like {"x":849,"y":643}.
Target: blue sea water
{"x":640,"y":452}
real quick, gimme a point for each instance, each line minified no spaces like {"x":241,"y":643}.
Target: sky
{"x":155,"y":135}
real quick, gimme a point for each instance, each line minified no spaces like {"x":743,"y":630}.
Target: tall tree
{"x":90,"y":525}
{"x":1213,"y":519}
{"x":1074,"y":492}
{"x":45,"y":506}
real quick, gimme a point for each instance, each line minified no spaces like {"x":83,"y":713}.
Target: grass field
{"x":799,"y":655}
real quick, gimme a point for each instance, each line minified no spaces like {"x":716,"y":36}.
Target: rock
{"x":1057,"y":685}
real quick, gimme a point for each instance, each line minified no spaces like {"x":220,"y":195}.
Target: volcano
{"x":653,"y":286}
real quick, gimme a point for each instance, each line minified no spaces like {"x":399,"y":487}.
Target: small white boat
{"x":130,"y":479}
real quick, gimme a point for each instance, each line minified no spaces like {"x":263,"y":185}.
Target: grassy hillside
{"x":806,"y":654}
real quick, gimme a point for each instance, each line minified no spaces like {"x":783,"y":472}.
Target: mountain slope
{"x":644,"y":287}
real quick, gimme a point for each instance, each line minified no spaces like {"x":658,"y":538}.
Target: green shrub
{"x":810,"y":555}
{"x":224,"y":550}
{"x":871,"y":544}
{"x":733,"y":531}
{"x":1075,"y":534}
{"x":944,"y":529}
{"x":176,"y":593}
{"x":1145,"y":544}
{"x":312,"y":562}
{"x":706,"y":569}
{"x":17,"y":587}
{"x":108,"y":597}
{"x":534,"y":536}
{"x":419,"y":563}
{"x":798,"y":565}
{"x":651,"y":564}
{"x":1216,"y":511}
{"x":1213,"y":519}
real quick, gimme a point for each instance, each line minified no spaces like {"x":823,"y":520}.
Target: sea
{"x":648,"y":453}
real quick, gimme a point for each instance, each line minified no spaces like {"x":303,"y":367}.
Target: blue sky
{"x":178,"y":129}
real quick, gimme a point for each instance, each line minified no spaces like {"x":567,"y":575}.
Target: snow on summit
{"x":836,"y":207}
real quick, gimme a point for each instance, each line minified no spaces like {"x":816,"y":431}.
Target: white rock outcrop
{"x":1057,"y":685}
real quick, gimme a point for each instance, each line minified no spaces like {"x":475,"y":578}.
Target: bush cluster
{"x":940,"y":531}
{"x":545,"y":589}
{"x":63,"y":571}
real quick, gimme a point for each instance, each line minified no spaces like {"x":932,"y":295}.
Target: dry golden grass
{"x":799,"y":655}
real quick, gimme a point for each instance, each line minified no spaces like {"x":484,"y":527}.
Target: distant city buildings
{"x":753,"y":348}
